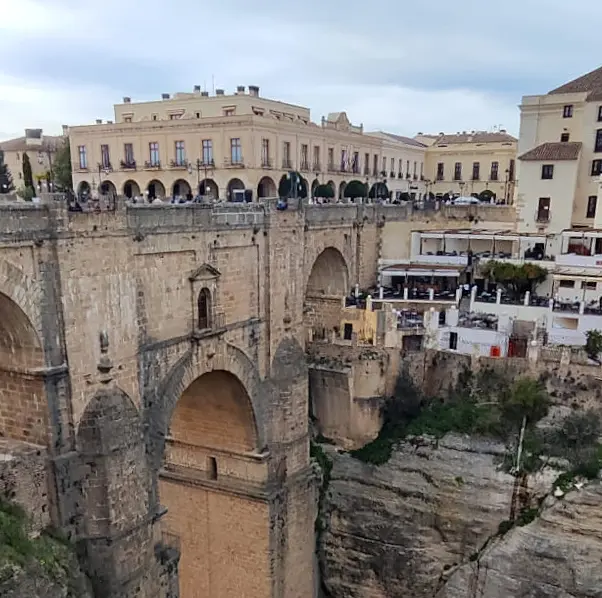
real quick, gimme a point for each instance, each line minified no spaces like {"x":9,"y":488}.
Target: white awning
{"x":417,"y":272}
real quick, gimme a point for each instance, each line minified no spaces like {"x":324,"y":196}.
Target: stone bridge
{"x":155,"y":354}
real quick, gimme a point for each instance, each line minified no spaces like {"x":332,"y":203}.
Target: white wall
{"x":473,"y":341}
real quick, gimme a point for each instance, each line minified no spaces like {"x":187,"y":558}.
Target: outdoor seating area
{"x":409,"y":318}
{"x":477,"y":320}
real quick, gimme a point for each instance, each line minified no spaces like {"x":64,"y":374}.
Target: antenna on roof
{"x":213,"y":83}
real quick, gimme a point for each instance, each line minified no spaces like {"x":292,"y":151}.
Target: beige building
{"x":470,"y":163}
{"x":560,"y":156}
{"x":40,"y":149}
{"x":233,"y":147}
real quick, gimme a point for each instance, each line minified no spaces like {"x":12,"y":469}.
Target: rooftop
{"x":402,"y":139}
{"x":553,"y":151}
{"x":590,"y":82}
{"x":32,"y":140}
{"x":476,"y":137}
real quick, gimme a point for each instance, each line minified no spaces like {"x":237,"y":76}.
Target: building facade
{"x":232,"y":147}
{"x":471,"y":163}
{"x":41,"y":150}
{"x":560,"y":156}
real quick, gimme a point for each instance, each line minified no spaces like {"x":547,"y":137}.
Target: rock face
{"x":558,"y":555}
{"x":395,"y":531}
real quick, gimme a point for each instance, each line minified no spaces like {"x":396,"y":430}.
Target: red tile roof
{"x":591,"y":82}
{"x":476,"y":137}
{"x":553,"y":152}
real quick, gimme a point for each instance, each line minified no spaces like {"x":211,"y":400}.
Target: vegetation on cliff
{"x":46,"y":560}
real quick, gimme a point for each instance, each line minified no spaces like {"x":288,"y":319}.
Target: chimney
{"x":109,"y":122}
{"x":441,"y":133}
{"x":165,"y":96}
{"x":197,"y":89}
{"x":219,"y":92}
{"x":99,"y":121}
{"x":205,"y":94}
{"x":240,"y":89}
{"x":254,"y":90}
{"x":420,"y":133}
{"x":502,"y":130}
{"x":127,"y":100}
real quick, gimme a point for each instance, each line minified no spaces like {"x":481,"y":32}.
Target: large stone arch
{"x":330,"y":271}
{"x":208,"y":356}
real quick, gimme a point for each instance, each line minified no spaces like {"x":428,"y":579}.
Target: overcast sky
{"x":404,"y":67}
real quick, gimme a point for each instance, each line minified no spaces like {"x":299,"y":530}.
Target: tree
{"x":355,"y":189}
{"x":379,"y":191}
{"x":522,"y":406}
{"x":63,"y":178}
{"x":593,"y":344}
{"x":284,"y":187}
{"x":486,"y":195}
{"x":324,"y":191}
{"x":405,"y":196}
{"x":6,"y":179}
{"x":516,"y":279}
{"x":28,"y":175}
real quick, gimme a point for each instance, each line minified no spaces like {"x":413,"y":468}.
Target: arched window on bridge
{"x":204,"y":308}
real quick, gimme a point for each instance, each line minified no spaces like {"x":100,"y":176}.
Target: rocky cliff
{"x":401,"y":529}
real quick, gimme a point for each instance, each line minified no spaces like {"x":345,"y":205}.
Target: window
{"x":331,"y":157}
{"x":154,"y":117}
{"x":229,"y":111}
{"x":567,"y":111}
{"x":393,"y":166}
{"x":198,"y":114}
{"x":453,"y":340}
{"x":408,"y":168}
{"x":421,"y":170}
{"x":511,"y":171}
{"x":598,"y":144}
{"x":458,"y":171}
{"x":591,"y":206}
{"x":304,"y":158}
{"x":564,"y":137}
{"x":317,"y":157}
{"x":476,"y":167}
{"x":400,"y":166}
{"x":547,"y":171}
{"x":375,"y":165}
{"x":384,"y":163}
{"x":174,"y":116}
{"x":286,"y":154}
{"x":356,"y":162}
{"x":348,"y":332}
{"x":591,"y":286}
{"x":366,"y":163}
{"x":204,"y":305}
{"x":596,"y":167}
{"x":83,"y":156}
{"x":265,"y":152}
{"x":440,"y":171}
{"x":153,"y":150}
{"x":212,"y":468}
{"x":415,"y":171}
{"x":128,"y":153}
{"x":180,"y":154}
{"x":127,"y":119}
{"x":543,"y":210}
{"x":344,"y":160}
{"x":495,"y":167}
{"x":235,"y":150}
{"x":105,"y":158}
{"x":207,"y":151}
{"x":566,"y":284}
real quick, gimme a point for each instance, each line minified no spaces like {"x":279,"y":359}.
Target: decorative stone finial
{"x":105,"y":365}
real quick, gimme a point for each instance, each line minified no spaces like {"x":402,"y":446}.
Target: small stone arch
{"x":342,"y":187}
{"x":332,"y":185}
{"x":329,"y":274}
{"x":209,"y":188}
{"x":83,"y":190}
{"x":131,"y":189}
{"x":313,"y":187}
{"x":266,"y":188}
{"x":181,"y":188}
{"x":234,"y":185}
{"x":155,"y":189}
{"x":108,"y":188}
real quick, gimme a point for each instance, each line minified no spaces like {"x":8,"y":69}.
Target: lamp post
{"x":507,"y":172}
{"x":200,"y":165}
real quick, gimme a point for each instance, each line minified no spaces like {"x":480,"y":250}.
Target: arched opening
{"x":342,"y":189}
{"x":156,"y":189}
{"x":108,"y":188}
{"x":181,"y":189}
{"x":83,"y":191}
{"x":333,"y":187}
{"x":327,"y":286}
{"x":236,"y":190}
{"x":208,"y":188}
{"x":313,"y":187}
{"x":204,"y":307}
{"x":23,"y":406}
{"x":304,"y":188}
{"x":211,"y":442}
{"x":131,"y":189}
{"x":266,"y":188}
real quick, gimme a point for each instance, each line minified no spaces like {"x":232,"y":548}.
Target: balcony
{"x":127,"y":164}
{"x":579,"y":261}
{"x":152,"y":165}
{"x":366,"y":171}
{"x":317,"y":166}
{"x":415,"y":177}
{"x":267,"y":163}
{"x":355,"y":169}
{"x":304,"y":166}
{"x":400,"y":175}
{"x":542,"y":216}
{"x":234,"y":162}
{"x":392,"y":175}
{"x":106,"y":167}
{"x":332,"y":168}
{"x":408,"y":176}
{"x":439,"y":177}
{"x":287,"y":164}
{"x":178,"y":164}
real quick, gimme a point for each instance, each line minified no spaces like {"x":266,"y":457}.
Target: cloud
{"x":429,"y":66}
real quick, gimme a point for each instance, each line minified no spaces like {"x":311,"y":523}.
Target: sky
{"x":403,"y":67}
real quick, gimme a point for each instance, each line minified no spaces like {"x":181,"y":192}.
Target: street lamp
{"x":200,"y":165}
